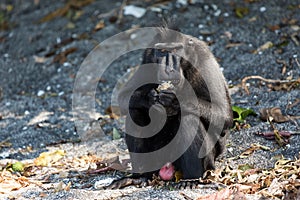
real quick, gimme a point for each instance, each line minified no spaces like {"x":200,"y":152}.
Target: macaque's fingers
{"x":153,"y":96}
{"x":167,"y":99}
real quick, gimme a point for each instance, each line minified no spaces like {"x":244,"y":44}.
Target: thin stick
{"x":120,"y":16}
{"x":244,"y":81}
{"x":297,"y":62}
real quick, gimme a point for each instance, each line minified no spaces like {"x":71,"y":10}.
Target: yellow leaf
{"x":100,"y":25}
{"x":9,"y":8}
{"x":47,"y":158}
{"x":178,"y":176}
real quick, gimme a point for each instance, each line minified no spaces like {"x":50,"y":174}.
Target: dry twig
{"x":244,"y":81}
{"x":120,"y":15}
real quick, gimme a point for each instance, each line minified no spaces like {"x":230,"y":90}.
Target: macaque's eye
{"x":191,"y":41}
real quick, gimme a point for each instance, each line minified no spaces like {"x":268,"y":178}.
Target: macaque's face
{"x":170,"y":70}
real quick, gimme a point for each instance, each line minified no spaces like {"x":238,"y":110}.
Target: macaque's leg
{"x":189,"y":163}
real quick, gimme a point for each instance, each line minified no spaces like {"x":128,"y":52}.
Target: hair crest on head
{"x":167,"y":31}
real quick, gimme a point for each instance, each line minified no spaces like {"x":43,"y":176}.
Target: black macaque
{"x":181,"y":60}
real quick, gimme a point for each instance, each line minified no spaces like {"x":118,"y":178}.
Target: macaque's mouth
{"x":172,"y":81}
{"x":169,"y":46}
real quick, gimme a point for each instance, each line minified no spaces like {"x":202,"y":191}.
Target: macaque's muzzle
{"x":166,"y":56}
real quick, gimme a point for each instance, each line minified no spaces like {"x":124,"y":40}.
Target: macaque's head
{"x":170,"y":50}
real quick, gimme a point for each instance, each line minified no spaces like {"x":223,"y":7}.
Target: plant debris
{"x":285,"y":84}
{"x":62,"y":57}
{"x":275,"y":113}
{"x":263,"y":47}
{"x":240,"y":12}
{"x":240,"y":114}
{"x":271,"y":135}
{"x":283,"y":179}
{"x":63,"y":11}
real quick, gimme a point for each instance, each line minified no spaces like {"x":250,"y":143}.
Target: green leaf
{"x":241,"y":11}
{"x":241,"y":113}
{"x":245,"y":167}
{"x":116,"y":134}
{"x":18,"y":167}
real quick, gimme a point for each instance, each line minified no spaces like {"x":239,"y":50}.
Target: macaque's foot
{"x":124,"y":182}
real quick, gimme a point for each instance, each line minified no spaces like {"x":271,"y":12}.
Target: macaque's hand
{"x":153,"y":97}
{"x":168,"y":99}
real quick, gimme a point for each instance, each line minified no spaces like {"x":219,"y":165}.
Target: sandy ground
{"x":37,"y":76}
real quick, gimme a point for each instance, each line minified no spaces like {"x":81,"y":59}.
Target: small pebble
{"x":67,"y":64}
{"x":102,"y":183}
{"x":156,"y":9}
{"x":132,"y":36}
{"x":7,"y":103}
{"x":262,"y":9}
{"x":59,"y":70}
{"x":182,"y":2}
{"x":26,"y":112}
{"x":74,"y":35}
{"x":48,"y":88}
{"x":217,"y":13}
{"x":61,"y":93}
{"x":214,"y":6}
{"x":226,"y":14}
{"x":58,"y":40}
{"x":40,"y":93}
{"x":58,"y":86}
{"x":24,"y":128}
{"x":4,"y":154}
{"x":135,"y":11}
{"x":200,"y":26}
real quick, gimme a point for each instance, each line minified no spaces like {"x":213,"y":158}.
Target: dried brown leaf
{"x":57,"y":13}
{"x":275,"y":113}
{"x":100,"y":25}
{"x":249,"y":151}
{"x":63,"y":11}
{"x":274,"y":27}
{"x":62,"y":57}
{"x":263,"y":47}
{"x":113,"y":111}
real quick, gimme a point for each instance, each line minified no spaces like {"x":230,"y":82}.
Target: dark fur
{"x":205,"y":68}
